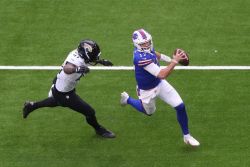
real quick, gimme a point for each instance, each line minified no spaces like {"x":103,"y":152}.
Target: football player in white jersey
{"x":151,"y":82}
{"x":63,"y":93}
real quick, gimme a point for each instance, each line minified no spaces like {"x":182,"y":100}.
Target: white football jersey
{"x":67,"y":82}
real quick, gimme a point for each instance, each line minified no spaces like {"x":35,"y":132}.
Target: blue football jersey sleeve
{"x":144,"y":79}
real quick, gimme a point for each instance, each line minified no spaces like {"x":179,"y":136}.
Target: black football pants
{"x":72,"y":101}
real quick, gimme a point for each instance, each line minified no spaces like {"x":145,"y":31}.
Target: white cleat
{"x":124,"y":98}
{"x":188,"y":139}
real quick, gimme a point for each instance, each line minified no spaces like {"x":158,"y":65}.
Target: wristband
{"x":174,"y":61}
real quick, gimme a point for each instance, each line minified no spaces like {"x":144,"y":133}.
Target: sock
{"x":136,"y":103}
{"x":48,"y":102}
{"x":182,"y":118}
{"x":187,"y":135}
{"x":91,"y":119}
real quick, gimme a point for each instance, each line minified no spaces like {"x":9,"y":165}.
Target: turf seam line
{"x":126,"y":68}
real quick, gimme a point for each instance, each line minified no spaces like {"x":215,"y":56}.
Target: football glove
{"x":82,"y":69}
{"x":105,"y":62}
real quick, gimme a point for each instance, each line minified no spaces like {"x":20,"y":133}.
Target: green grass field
{"x":42,"y":32}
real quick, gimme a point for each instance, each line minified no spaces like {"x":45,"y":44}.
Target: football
{"x":184,"y":62}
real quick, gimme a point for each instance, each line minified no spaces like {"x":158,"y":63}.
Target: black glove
{"x":82,"y":69}
{"x":104,"y":62}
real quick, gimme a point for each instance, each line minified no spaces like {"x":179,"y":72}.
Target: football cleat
{"x":105,"y":133}
{"x":124,"y":98}
{"x":188,"y":139}
{"x":27,"y":109}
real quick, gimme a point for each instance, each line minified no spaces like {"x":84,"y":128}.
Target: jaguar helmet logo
{"x":87,"y":47}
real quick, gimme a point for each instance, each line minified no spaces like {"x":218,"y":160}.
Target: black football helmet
{"x":89,"y":51}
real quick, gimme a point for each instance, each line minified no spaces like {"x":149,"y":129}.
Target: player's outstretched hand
{"x":82,"y":69}
{"x":181,"y":57}
{"x":179,"y":54}
{"x":105,"y":62}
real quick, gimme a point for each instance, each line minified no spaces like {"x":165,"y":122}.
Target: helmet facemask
{"x":147,"y":46}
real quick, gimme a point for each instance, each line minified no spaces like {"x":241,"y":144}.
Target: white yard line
{"x":126,"y":68}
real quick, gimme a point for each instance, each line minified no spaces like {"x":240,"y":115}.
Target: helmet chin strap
{"x":147,"y":51}
{"x":144,"y":50}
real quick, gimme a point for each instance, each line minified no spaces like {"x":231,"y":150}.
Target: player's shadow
{"x":188,"y":149}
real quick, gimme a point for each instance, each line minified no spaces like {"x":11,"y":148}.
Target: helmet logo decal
{"x":135,"y":36}
{"x":142,"y":34}
{"x":87,"y":47}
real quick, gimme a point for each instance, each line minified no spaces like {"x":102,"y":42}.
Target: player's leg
{"x":136,"y":103}
{"x":139,"y":104}
{"x":169,"y":95}
{"x":30,"y":106}
{"x":75,"y":103}
{"x":149,"y":106}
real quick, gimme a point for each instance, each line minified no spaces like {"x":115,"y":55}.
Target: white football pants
{"x":164,"y":91}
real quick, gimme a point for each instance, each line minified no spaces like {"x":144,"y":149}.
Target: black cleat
{"x":27,"y":108}
{"x":105,"y":133}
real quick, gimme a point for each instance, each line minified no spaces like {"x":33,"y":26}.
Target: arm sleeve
{"x":153,"y":69}
{"x":144,"y":63}
{"x":165,"y":58}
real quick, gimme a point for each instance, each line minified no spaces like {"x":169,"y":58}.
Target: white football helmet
{"x":142,"y":40}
